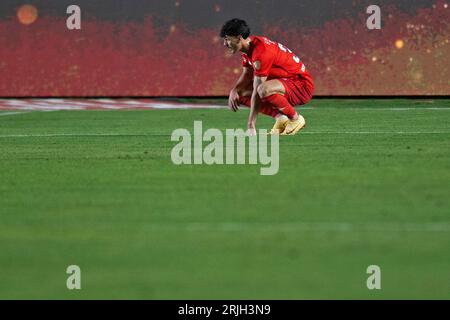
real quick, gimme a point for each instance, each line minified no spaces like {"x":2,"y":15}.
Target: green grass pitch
{"x":366,"y":183}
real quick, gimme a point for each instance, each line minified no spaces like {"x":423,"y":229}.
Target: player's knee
{"x":263,"y":90}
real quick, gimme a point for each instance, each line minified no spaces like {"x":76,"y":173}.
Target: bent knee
{"x":263,"y":90}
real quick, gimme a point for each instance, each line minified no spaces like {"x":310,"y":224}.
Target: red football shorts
{"x":299,"y":90}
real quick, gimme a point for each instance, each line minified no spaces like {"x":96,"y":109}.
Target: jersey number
{"x":284,"y":49}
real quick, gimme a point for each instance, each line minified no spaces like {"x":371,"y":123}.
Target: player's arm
{"x":255,"y":103}
{"x":263,"y":59}
{"x":243,"y":82}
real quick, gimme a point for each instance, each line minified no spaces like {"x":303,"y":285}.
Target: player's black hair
{"x":234,"y":28}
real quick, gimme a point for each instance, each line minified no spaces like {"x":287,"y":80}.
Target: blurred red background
{"x":410,"y":55}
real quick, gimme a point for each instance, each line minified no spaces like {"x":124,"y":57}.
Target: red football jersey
{"x":273,"y":60}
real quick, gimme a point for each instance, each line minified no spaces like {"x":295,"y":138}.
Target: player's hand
{"x":233,"y":101}
{"x":251,"y":132}
{"x":251,"y":129}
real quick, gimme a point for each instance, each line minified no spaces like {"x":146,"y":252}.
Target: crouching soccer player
{"x":272,"y":82}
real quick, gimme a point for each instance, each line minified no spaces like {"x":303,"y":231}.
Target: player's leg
{"x":264,"y":108}
{"x":299,"y":91}
{"x":275,"y":92}
{"x":245,"y":94}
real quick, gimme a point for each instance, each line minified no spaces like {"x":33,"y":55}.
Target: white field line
{"x":12,"y":113}
{"x":307,"y":226}
{"x":166,"y":134}
{"x":76,"y":105}
{"x":119,"y":104}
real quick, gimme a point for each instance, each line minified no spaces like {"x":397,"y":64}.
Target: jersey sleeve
{"x":263,"y":59}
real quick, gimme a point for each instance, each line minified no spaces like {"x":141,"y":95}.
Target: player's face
{"x":232,"y":43}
